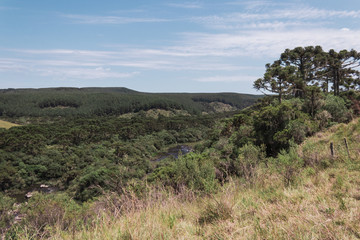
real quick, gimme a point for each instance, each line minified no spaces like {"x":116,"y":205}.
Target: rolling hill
{"x":112,"y":101}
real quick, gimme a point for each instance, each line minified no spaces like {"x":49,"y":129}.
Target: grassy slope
{"x":7,"y":125}
{"x":324,"y":203}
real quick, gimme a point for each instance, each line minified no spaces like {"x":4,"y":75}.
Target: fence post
{"x":347,"y":148}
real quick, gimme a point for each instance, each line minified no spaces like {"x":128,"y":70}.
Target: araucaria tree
{"x":302,"y":67}
{"x":307,"y":61}
{"x":341,"y":69}
{"x":277,"y":79}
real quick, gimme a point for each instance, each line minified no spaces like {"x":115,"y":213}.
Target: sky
{"x":163,"y":46}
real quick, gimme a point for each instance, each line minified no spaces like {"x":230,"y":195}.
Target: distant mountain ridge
{"x":96,"y":101}
{"x":69,"y":89}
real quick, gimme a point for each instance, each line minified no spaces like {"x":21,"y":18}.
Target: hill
{"x":112,"y":101}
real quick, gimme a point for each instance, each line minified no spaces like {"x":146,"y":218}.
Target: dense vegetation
{"x":88,"y":102}
{"x":104,"y":169}
{"x":88,"y":152}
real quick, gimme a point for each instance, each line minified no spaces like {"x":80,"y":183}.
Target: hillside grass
{"x":322,"y":206}
{"x":345,"y":139}
{"x":322,"y":203}
{"x":7,"y":125}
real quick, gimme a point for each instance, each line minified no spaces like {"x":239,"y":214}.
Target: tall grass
{"x":320,"y":206}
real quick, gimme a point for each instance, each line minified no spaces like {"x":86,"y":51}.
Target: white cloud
{"x":196,"y":51}
{"x":150,"y":59}
{"x":300,"y":16}
{"x":236,"y":78}
{"x":88,"y":19}
{"x":268,"y":43}
{"x":65,"y":69}
{"x":83,"y":73}
{"x":313,"y":13}
{"x":63,"y":52}
{"x":254,"y":5}
{"x":185,"y":5}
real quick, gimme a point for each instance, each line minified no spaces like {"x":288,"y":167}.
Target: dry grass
{"x":322,"y":206}
{"x":7,"y":125}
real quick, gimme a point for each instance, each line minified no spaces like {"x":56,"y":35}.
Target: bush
{"x":288,"y":164}
{"x":246,"y":163}
{"x":45,"y":212}
{"x":193,"y":170}
{"x":323,"y":117}
{"x":6,"y":207}
{"x":276,"y":125}
{"x":337,"y":108}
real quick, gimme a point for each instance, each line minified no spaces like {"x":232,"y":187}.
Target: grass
{"x":7,"y":125}
{"x":317,"y":148}
{"x":319,"y":206}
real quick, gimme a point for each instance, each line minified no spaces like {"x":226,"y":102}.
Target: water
{"x":21,"y":197}
{"x":175,"y":151}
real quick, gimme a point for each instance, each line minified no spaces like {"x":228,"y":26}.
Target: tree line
{"x":86,"y":102}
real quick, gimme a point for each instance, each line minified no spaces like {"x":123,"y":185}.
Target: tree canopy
{"x":303,"y":67}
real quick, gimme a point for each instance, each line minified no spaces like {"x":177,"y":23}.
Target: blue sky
{"x":162,"y":46}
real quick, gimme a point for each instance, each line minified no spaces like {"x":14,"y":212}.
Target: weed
{"x":340,"y":197}
{"x":215,"y":211}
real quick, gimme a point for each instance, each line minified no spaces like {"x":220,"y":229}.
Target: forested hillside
{"x":87,"y":102}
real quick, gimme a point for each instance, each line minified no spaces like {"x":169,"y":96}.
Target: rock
{"x":29,"y":195}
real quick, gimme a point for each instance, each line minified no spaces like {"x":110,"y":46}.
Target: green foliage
{"x":307,"y":69}
{"x":277,"y":79}
{"x":86,"y":155}
{"x":276,"y":124}
{"x":91,"y":181}
{"x":89,"y":102}
{"x":246,"y":164}
{"x":7,"y":174}
{"x":194,"y":171}
{"x":336,"y":107}
{"x":288,"y":164}
{"x":46,"y":211}
{"x":6,"y":214}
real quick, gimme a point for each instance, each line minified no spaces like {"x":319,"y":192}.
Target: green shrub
{"x":246,"y":163}
{"x":6,"y":207}
{"x":194,"y":171}
{"x":336,"y":106}
{"x":44,"y":212}
{"x":288,"y":164}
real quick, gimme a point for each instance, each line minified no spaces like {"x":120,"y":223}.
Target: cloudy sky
{"x":162,"y":46}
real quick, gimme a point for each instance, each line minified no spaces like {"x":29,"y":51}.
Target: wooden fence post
{"x":347,"y":148}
